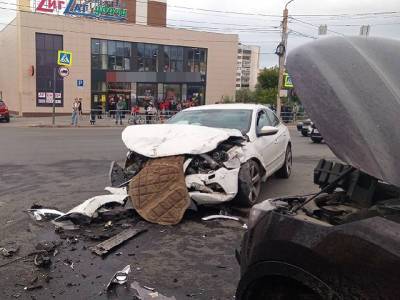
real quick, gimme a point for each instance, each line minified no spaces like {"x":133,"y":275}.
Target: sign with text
{"x":55,"y":7}
{"x":47,"y":98}
{"x":99,"y":9}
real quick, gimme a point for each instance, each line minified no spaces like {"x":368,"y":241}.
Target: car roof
{"x":228,"y":106}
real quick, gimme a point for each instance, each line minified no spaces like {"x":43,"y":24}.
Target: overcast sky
{"x":263,"y":30}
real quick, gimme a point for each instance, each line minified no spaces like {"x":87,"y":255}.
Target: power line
{"x":312,"y":25}
{"x":302,"y":34}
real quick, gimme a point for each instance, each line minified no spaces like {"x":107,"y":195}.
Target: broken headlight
{"x":220,"y":156}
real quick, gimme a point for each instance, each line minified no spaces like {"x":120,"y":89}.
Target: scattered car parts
{"x":120,"y":277}
{"x":144,"y":293}
{"x":105,"y":247}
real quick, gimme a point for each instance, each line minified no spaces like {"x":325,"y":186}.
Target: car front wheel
{"x":286,"y":169}
{"x":249,"y":184}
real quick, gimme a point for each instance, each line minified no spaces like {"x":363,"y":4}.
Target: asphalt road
{"x":61,"y":168}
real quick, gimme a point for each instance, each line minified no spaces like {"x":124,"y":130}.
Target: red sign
{"x":50,"y":6}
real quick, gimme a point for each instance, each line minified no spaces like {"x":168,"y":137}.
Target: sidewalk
{"x":61,"y":122}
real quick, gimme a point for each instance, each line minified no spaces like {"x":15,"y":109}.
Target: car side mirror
{"x":268,"y":130}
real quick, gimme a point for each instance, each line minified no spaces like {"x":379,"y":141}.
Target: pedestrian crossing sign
{"x":64,"y":58}
{"x":287,"y":81}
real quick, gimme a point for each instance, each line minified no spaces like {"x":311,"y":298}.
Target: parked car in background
{"x":306,"y":127}
{"x":228,"y":150}
{"x":315,"y":135}
{"x":4,"y":113}
{"x":343,"y":242}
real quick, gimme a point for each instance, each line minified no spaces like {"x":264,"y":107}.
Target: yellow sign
{"x":64,"y":58}
{"x":287,"y":83}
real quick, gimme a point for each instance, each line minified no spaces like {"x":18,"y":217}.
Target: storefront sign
{"x":49,"y":6}
{"x":96,"y":9}
{"x":99,"y":9}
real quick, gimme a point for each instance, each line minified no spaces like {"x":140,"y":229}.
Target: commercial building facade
{"x":111,"y":59}
{"x":248,"y":61}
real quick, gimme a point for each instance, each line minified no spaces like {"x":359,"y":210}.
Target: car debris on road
{"x":120,"y":277}
{"x":106,"y":246}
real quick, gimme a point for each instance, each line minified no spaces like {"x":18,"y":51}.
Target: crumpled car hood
{"x":350,"y":88}
{"x":161,"y":140}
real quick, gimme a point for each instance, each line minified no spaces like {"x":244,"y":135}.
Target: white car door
{"x":266,"y":146}
{"x":281,"y":139}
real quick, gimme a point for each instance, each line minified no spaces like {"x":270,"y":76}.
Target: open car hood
{"x":351,"y":89}
{"x":161,"y":140}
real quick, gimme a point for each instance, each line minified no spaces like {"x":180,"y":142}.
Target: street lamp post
{"x":281,"y":52}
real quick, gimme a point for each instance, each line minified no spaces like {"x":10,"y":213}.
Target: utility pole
{"x":281,"y":51}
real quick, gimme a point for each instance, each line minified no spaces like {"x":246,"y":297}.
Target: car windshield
{"x":219,"y":118}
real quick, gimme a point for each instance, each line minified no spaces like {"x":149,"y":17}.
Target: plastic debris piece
{"x":224,"y":217}
{"x":88,"y":208}
{"x":117,"y":191}
{"x":119,"y":277}
{"x":143,"y":293}
{"x":106,"y":246}
{"x":8,"y":252}
{"x":44,"y":214}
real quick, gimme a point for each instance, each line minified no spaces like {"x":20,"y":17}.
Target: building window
{"x":147,"y":57}
{"x":195,"y":95}
{"x":173,"y":59}
{"x":111,"y":55}
{"x":197,"y":60}
{"x":47,"y":46}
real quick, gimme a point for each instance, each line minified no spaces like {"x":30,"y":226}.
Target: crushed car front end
{"x":340,"y":243}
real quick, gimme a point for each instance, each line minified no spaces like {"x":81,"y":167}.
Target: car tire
{"x":7,"y":119}
{"x":277,"y":288}
{"x":249,"y":185}
{"x":286,"y":170}
{"x":317,"y":141}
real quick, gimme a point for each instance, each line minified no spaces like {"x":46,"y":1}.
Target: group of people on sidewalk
{"x":77,"y":111}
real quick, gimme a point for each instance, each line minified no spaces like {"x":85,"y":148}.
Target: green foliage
{"x":268,"y":78}
{"x":244,"y":95}
{"x":266,"y":96}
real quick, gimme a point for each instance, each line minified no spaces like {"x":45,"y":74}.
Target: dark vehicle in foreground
{"x":342,"y":242}
{"x":315,"y":135}
{"x":4,"y":113}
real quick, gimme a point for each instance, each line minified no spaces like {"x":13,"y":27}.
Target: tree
{"x":268,"y":78}
{"x":244,"y":95}
{"x":266,"y":96}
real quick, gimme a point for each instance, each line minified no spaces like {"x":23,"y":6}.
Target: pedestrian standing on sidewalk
{"x":75,"y":112}
{"x":80,"y":108}
{"x":120,"y":107}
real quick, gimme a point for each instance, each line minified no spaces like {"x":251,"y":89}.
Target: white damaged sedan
{"x":228,"y":149}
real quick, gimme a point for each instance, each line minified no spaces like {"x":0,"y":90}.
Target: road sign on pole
{"x":64,"y":58}
{"x":63,"y":71}
{"x":287,"y":81}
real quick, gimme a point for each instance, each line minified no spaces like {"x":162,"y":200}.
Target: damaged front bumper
{"x":213,"y":188}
